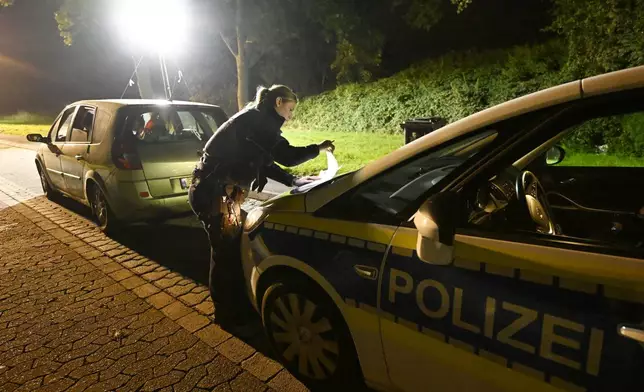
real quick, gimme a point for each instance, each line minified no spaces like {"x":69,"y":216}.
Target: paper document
{"x":325,"y":175}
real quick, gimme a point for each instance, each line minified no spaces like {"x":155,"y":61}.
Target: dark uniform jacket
{"x":246,"y":147}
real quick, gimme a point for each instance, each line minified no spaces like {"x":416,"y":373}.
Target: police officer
{"x":241,"y":155}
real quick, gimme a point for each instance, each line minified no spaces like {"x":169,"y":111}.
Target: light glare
{"x":157,"y":25}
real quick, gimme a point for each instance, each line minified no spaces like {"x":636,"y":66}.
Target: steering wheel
{"x":530,"y":193}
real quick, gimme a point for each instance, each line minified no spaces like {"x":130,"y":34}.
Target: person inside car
{"x":139,"y":127}
{"x":240,"y":156}
{"x":155,"y":128}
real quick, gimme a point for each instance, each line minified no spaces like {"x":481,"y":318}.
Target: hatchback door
{"x":51,"y":156}
{"x":169,"y":143}
{"x":76,"y":150}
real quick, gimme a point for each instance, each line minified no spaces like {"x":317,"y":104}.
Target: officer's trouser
{"x":226,"y":277}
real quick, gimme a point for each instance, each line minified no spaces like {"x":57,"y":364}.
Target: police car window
{"x":611,"y":141}
{"x":388,"y":195}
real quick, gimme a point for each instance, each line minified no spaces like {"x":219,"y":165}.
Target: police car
{"x":475,"y":258}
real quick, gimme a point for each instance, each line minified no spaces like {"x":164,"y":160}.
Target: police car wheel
{"x":309,"y":336}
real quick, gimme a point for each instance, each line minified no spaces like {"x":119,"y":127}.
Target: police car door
{"x":515,"y":309}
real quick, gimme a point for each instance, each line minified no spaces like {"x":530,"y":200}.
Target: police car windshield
{"x":392,"y":192}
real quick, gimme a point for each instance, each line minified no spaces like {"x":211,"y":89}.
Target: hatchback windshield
{"x":169,"y":124}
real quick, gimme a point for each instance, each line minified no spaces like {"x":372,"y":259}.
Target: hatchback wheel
{"x":101,"y":210}
{"x":47,"y":189}
{"x":309,"y":336}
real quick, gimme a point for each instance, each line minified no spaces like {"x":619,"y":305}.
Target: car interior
{"x":172,"y":125}
{"x":550,"y":193}
{"x":556,"y":191}
{"x":389,"y":195}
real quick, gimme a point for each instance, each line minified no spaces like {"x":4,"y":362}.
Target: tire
{"x":322,"y":337}
{"x":101,"y":211}
{"x":47,"y":189}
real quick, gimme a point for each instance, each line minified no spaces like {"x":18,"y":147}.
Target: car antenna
{"x":130,"y":82}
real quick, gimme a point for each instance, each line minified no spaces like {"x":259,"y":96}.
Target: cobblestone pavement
{"x":80,"y":311}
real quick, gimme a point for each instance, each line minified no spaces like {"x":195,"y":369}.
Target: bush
{"x":631,"y":140}
{"x":589,"y":136}
{"x":453,"y":86}
{"x":616,"y":135}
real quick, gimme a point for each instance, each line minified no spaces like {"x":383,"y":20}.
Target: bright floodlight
{"x":158,"y":25}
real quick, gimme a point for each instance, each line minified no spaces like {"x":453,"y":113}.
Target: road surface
{"x":83,"y":311}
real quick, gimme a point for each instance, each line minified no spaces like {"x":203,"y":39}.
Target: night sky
{"x":39,"y":73}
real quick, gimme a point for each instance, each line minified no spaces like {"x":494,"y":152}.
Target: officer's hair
{"x":265,"y":97}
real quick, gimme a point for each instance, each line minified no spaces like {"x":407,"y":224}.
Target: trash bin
{"x":419,"y":127}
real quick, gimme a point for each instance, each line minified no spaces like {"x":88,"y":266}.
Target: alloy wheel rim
{"x":305,"y":335}
{"x":100,"y":208}
{"x":43,"y":183}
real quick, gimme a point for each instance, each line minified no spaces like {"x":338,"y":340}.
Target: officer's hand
{"x":299,"y":181}
{"x":327,"y":145}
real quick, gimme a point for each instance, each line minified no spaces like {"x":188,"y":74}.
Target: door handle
{"x":568,"y":181}
{"x":366,"y":272}
{"x":632,"y":332}
{"x":78,"y":157}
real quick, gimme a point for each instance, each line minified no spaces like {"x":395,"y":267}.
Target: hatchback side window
{"x":54,"y":127}
{"x":83,"y":124}
{"x":66,"y":123}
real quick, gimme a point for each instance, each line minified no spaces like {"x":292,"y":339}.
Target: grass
{"x":23,"y":129}
{"x":352,"y":149}
{"x":26,"y":118}
{"x":24,"y":123}
{"x":356,"y":149}
{"x":586,"y":160}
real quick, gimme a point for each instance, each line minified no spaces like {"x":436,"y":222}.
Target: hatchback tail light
{"x":124,"y":153}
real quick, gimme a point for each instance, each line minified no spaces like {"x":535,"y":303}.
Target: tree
{"x":602,"y":35}
{"x":253,"y":29}
{"x":6,"y":3}
{"x":250,"y":29}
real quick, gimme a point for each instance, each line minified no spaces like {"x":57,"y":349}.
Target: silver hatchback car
{"x":129,"y":160}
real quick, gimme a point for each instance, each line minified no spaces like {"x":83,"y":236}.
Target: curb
{"x":7,"y":140}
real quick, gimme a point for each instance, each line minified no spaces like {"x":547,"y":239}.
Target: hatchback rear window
{"x":170,"y":124}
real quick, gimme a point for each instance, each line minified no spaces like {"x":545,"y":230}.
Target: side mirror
{"x":436,"y":225}
{"x":38,"y":138}
{"x":555,"y":155}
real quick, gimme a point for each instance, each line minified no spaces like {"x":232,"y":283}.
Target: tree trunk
{"x":242,"y":76}
{"x":240,"y":59}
